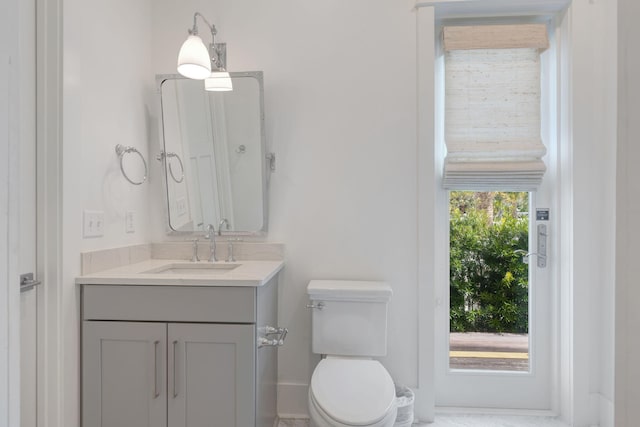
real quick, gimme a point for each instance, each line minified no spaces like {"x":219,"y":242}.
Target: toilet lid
{"x":353,"y":391}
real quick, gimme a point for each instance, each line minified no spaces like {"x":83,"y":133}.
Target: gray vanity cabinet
{"x":180,"y":356}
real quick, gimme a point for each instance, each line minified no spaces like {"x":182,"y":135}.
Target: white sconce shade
{"x":196,"y":61}
{"x":193,"y":60}
{"x":218,"y":81}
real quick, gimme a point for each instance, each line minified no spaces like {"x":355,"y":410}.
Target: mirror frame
{"x":264,"y":164}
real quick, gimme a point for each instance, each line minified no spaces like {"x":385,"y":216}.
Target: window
{"x":496,"y":334}
{"x":489,"y":280}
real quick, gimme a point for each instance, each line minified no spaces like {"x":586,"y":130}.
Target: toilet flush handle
{"x":319,"y":305}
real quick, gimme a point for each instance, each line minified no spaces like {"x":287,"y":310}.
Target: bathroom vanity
{"x":173,"y":343}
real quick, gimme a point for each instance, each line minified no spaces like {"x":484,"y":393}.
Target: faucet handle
{"x":194,"y":256}
{"x":230,"y":256}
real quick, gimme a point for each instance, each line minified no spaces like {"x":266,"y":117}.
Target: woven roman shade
{"x":492,"y":107}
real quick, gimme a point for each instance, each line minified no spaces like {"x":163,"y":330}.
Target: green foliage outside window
{"x":488,"y":280}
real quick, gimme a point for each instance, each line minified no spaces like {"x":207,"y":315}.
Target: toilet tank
{"x":349,"y":318}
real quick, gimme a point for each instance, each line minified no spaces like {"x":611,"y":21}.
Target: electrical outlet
{"x":129,"y":222}
{"x":93,"y":224}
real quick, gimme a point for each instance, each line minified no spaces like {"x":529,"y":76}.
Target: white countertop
{"x":247,"y":273}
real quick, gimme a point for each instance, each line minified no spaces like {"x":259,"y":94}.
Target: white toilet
{"x":348,"y":388}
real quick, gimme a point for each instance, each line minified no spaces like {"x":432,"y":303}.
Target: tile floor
{"x":493,"y":421}
{"x":467,"y":421}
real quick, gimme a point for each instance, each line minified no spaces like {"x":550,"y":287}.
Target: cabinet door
{"x":211,"y":375}
{"x":124,"y":374}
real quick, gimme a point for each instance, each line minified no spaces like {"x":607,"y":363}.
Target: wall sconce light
{"x":196,"y":61}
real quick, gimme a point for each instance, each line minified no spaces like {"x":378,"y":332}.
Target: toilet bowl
{"x":349,"y":326}
{"x":346,"y":392}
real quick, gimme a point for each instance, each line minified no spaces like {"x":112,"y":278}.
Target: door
{"x":124,"y":374}
{"x":27,"y":230}
{"x":508,"y":358}
{"x":211,"y":375}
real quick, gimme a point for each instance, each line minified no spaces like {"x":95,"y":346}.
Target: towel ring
{"x":166,"y":155}
{"x":171,"y":169}
{"x":121,"y":150}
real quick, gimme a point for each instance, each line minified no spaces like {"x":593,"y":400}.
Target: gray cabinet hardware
{"x":175,"y":383}
{"x":156,"y":371}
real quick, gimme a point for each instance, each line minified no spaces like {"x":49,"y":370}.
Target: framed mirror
{"x":214,"y":154}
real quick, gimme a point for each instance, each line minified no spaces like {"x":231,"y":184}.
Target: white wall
{"x":627,"y":340}
{"x":340,"y":97}
{"x":343,"y":199}
{"x":341,"y":118}
{"x":593,"y":131}
{"x":108,"y":96}
{"x":108,"y":91}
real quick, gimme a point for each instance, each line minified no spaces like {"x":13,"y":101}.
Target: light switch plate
{"x":93,"y":224}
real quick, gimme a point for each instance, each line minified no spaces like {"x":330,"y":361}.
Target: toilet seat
{"x":353,"y":392}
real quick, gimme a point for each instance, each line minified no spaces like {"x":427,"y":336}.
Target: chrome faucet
{"x":222,"y":221}
{"x":211,"y":235}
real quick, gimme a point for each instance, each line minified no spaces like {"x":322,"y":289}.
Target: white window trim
{"x":428,"y":168}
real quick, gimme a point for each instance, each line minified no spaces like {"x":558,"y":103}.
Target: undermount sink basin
{"x":193,"y":268}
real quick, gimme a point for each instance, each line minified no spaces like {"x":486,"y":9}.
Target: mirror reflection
{"x":214,"y":154}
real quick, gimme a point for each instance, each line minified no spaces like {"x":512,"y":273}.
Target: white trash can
{"x":404,"y":403}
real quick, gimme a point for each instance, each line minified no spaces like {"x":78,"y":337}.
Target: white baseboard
{"x":292,"y":401}
{"x":292,"y":422}
{"x":606,"y":412}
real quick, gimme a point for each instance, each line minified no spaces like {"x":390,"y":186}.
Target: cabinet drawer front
{"x":169,"y":303}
